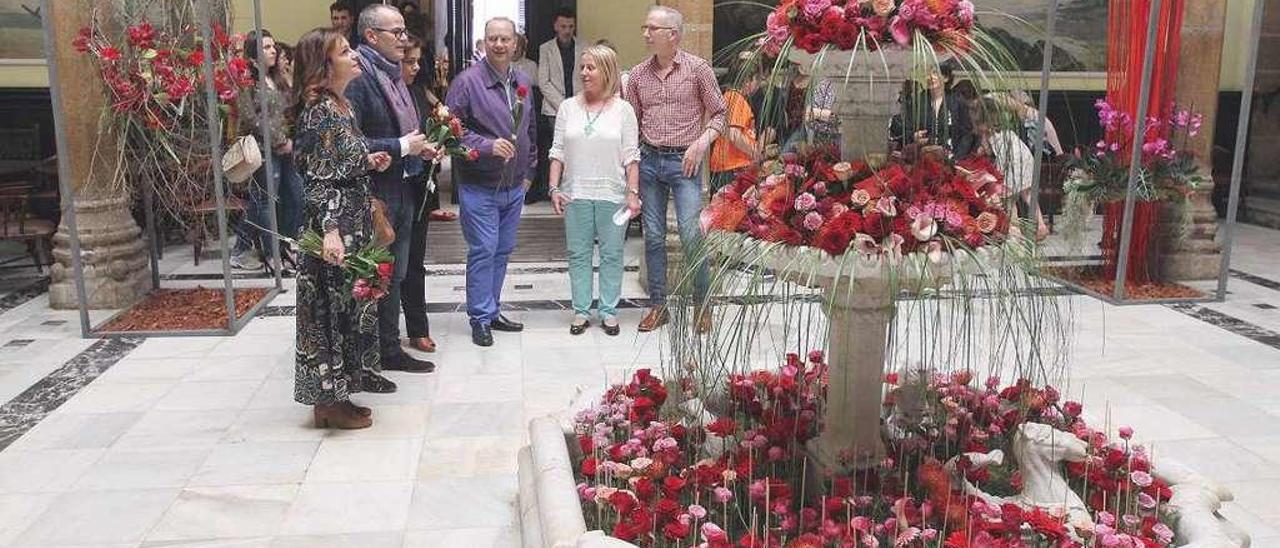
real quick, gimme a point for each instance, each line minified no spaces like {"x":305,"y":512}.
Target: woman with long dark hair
{"x":251,"y":248}
{"x":337,"y":336}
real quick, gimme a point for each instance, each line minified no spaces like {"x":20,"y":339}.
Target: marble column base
{"x":1195,"y":254}
{"x":116,"y":266}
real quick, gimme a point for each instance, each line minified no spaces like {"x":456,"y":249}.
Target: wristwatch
{"x":554,"y":190}
{"x":635,"y":191}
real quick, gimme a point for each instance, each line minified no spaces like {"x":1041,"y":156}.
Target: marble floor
{"x":195,"y":441}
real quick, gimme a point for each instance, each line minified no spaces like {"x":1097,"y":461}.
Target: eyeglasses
{"x":653,"y":28}
{"x":399,"y":33}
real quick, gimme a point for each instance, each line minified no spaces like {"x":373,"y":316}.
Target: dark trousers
{"x":401,"y":209}
{"x":413,"y":291}
{"x":546,"y":133}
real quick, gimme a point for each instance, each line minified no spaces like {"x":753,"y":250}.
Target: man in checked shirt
{"x":681,"y":112}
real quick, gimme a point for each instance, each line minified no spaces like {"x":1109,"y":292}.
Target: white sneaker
{"x":245,"y":261}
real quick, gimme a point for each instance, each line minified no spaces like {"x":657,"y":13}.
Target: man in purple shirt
{"x":493,"y":102}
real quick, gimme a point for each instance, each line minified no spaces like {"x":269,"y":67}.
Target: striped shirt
{"x":673,"y":111}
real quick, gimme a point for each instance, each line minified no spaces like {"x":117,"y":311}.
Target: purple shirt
{"x":478,"y":98}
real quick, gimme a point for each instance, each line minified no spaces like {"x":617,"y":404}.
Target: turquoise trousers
{"x":585,"y":223}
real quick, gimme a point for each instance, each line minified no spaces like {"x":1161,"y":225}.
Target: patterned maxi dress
{"x":337,"y":336}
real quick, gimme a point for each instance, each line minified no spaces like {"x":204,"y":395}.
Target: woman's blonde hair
{"x":606,"y":61}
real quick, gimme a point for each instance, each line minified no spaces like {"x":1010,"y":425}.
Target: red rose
{"x":722,"y":427}
{"x":473,"y":155}
{"x":644,"y":489}
{"x":668,"y":508}
{"x":671,"y":485}
{"x":522,"y":91}
{"x":455,"y":127}
{"x":622,"y":501}
{"x":675,"y":530}
{"x":109,"y":53}
{"x":384,"y":269}
{"x":589,"y":466}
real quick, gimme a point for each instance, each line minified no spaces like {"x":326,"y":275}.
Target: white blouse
{"x":1013,"y":158}
{"x":595,"y":149}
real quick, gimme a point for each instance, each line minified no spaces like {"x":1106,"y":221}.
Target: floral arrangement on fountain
{"x":813,"y":199}
{"x":655,"y":476}
{"x":844,"y":24}
{"x":154,"y":81}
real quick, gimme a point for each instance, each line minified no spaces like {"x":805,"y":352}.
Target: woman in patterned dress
{"x":337,"y":336}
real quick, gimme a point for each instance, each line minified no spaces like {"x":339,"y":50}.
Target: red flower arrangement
{"x":150,"y":75}
{"x":651,"y":482}
{"x":844,"y":24}
{"x":813,"y":199}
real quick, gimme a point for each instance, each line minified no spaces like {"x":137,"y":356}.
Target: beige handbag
{"x":241,"y":159}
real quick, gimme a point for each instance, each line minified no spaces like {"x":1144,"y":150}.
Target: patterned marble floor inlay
{"x":24,"y":294}
{"x":31,"y":406}
{"x":1230,"y":323}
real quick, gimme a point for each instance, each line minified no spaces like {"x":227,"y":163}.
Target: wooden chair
{"x":199,"y":215}
{"x":17,"y":224}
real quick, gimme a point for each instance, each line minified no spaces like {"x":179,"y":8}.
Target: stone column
{"x":115,"y":260}
{"x":1261,"y":185}
{"x":1195,"y":255}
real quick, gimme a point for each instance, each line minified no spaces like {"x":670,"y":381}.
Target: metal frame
{"x":1118,"y":297}
{"x":234,"y":323}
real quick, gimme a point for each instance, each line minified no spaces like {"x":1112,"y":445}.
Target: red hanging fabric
{"x":1126,"y":41}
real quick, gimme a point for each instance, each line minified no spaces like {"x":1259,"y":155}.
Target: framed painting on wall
{"x":21,"y":36}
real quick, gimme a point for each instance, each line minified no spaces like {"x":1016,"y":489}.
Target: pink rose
{"x":722,"y":495}
{"x":1140,"y":478}
{"x":813,"y":221}
{"x":713,"y":533}
{"x":697,"y":511}
{"x":924,"y":228}
{"x":1126,"y":432}
{"x":886,"y":206}
{"x":860,"y":197}
{"x":882,"y":7}
{"x":805,"y":202}
{"x":813,"y":9}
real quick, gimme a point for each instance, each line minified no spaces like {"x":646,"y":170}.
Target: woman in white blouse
{"x":595,"y":176}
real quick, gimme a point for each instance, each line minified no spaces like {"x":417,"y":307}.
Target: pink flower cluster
{"x":649,"y":481}
{"x":844,"y":24}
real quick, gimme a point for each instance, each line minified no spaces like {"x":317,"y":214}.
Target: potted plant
{"x":1168,"y":172}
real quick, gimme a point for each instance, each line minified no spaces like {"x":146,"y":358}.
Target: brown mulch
{"x":184,"y":310}
{"x":1092,"y":278}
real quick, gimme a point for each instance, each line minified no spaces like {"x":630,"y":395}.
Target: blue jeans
{"x":256,"y":212}
{"x":661,"y":176}
{"x":401,"y":208}
{"x":489,"y":218}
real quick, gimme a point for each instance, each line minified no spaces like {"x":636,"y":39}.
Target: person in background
{"x":999,"y":129}
{"x":289,"y":207}
{"x":479,"y":52}
{"x":681,"y":112}
{"x":942,"y":120}
{"x":522,"y":60}
{"x":390,"y":122}
{"x":910,"y":113}
{"x":337,"y":342}
{"x":253,"y":244}
{"x":413,"y":294}
{"x":1019,"y":102}
{"x":622,"y":76}
{"x":559,"y":77}
{"x":737,"y":148}
{"x":821,"y":124}
{"x":341,"y":18}
{"x":595,"y":171}
{"x":491,"y":189}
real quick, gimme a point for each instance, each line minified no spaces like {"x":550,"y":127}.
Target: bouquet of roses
{"x":444,"y":129}
{"x":811,"y":25}
{"x":368,"y":270}
{"x":813,"y":199}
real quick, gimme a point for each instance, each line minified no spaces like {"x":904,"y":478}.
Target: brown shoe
{"x":704,"y":321}
{"x":357,"y":409}
{"x":657,"y":317}
{"x":339,"y":416}
{"x":424,"y":344}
